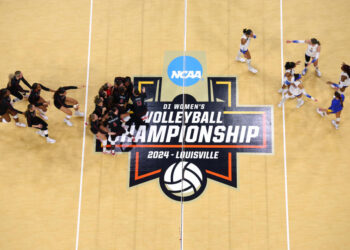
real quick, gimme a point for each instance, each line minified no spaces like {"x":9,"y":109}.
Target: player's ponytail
{"x":60,"y":90}
{"x":338,"y":96}
{"x":29,"y":107}
{"x":10,"y":78}
{"x":315,"y":41}
{"x":247,"y":31}
{"x":97,"y":100}
{"x":346,"y":69}
{"x":35,"y":86}
{"x":289,"y":65}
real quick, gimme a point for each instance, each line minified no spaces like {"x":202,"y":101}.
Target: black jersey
{"x":115,"y":124}
{"x":139,"y":105}
{"x":30,"y":117}
{"x":95,"y":126}
{"x":60,"y":100}
{"x":129,"y":90}
{"x":98,"y":111}
{"x":5,"y":106}
{"x":35,"y":95}
{"x":122,"y":100}
{"x":14,"y":84}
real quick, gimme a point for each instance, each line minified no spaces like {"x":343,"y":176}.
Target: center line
{"x":284,"y":133}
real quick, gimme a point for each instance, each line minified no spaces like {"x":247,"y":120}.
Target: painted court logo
{"x":185,"y":71}
{"x":185,"y":141}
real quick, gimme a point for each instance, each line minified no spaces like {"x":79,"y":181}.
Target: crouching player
{"x":335,"y":108}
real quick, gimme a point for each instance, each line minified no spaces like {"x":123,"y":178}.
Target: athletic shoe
{"x":240,"y":59}
{"x":78,"y":113}
{"x":50,"y":140}
{"x":68,"y":122}
{"x":300,"y":104}
{"x":304,"y":71}
{"x":40,"y":132}
{"x":251,"y":69}
{"x":320,"y":112}
{"x":318,"y":73}
{"x":335,"y":124}
{"x":43,"y":116}
{"x":19,"y":124}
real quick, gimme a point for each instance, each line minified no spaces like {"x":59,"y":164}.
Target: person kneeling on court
{"x":39,"y":102}
{"x":6,"y":109}
{"x":335,"y":108}
{"x":38,"y":123}
{"x":64,"y":103}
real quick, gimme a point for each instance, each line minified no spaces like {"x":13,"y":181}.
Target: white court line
{"x":183,"y":124}
{"x":284,"y":132}
{"x":84,"y":133}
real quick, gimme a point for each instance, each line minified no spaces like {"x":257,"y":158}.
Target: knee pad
{"x":15,"y":116}
{"x":337,"y":119}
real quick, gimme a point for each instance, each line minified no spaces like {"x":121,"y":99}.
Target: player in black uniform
{"x":38,"y":123}
{"x":16,"y":89}
{"x":115,"y":125}
{"x":121,"y":100}
{"x":99,"y":130}
{"x":100,"y":110}
{"x":64,"y":103}
{"x":139,"y":108}
{"x":39,"y":102}
{"x":6,"y":109}
{"x":105,"y":93}
{"x":129,"y":87}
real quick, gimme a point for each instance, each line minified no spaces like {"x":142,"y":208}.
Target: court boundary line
{"x":84,"y":130}
{"x":284,"y":133}
{"x":183,"y":124}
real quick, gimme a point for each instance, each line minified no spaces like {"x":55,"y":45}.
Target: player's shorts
{"x":331,"y":111}
{"x":243,"y":51}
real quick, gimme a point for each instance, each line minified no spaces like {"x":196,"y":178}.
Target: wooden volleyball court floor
{"x":68,"y":196}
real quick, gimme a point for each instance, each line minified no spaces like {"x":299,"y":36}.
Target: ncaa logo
{"x":185,"y":71}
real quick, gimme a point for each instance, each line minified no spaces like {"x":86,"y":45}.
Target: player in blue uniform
{"x":335,"y":108}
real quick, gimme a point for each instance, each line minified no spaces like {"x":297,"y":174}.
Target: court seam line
{"x":183,"y":124}
{"x":84,"y":129}
{"x":284,"y":133}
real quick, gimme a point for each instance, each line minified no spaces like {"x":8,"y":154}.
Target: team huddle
{"x":292,"y":87}
{"x":117,"y":108}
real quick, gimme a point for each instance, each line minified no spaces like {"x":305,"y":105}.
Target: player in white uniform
{"x":294,"y":86}
{"x":344,"y":81}
{"x":312,"y":52}
{"x":245,"y":41}
{"x":289,"y":76}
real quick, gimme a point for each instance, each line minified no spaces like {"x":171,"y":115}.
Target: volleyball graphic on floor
{"x":183,"y":180}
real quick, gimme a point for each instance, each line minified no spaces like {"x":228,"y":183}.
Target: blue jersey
{"x":336,"y":105}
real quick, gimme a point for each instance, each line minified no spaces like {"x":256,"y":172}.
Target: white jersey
{"x":244,"y":47}
{"x":345,"y":83}
{"x":294,"y":89}
{"x":311,"y":50}
{"x":285,"y":79}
